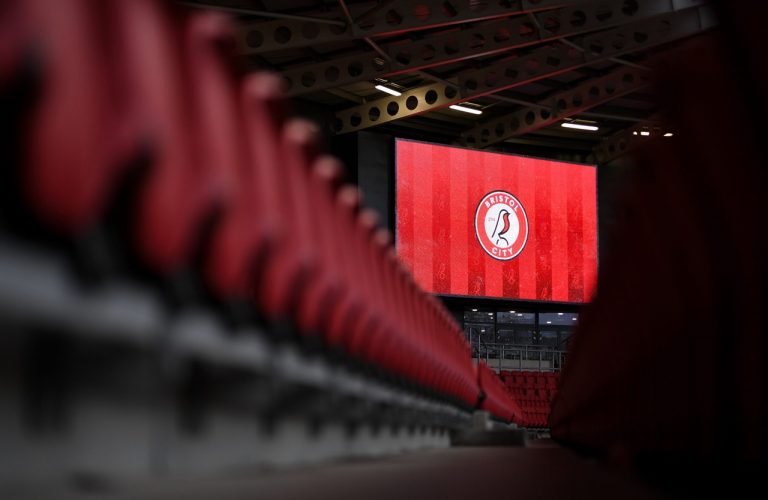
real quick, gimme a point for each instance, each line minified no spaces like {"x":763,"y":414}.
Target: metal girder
{"x":261,"y":13}
{"x":550,"y":142}
{"x":541,"y":63}
{"x":575,"y":158}
{"x":596,"y":91}
{"x":625,"y":141}
{"x":611,"y":116}
{"x":483,"y":40}
{"x":601,"y":46}
{"x":400,"y":16}
{"x":614,"y":146}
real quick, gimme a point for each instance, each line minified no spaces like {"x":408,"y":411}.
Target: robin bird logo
{"x":499,"y":235}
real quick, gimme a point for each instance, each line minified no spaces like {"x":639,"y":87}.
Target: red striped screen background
{"x":438,"y":190}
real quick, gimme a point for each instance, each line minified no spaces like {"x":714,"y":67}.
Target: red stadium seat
{"x":75,"y":146}
{"x":177,"y":195}
{"x":497,"y":400}
{"x":238,"y":238}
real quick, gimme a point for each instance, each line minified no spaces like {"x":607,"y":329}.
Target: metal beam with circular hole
{"x":478,"y":41}
{"x":626,"y":140}
{"x":541,"y":63}
{"x":593,"y":92}
{"x":399,"y":17}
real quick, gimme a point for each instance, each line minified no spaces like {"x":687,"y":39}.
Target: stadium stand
{"x":185,"y":274}
{"x":202,"y":151}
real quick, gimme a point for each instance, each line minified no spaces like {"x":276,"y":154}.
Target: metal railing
{"x":518,"y":357}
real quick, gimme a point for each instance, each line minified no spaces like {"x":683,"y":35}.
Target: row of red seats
{"x":130,"y":89}
{"x":535,"y":410}
{"x":530,"y":379}
{"x":534,"y":392}
{"x":496,"y":400}
{"x":538,"y":394}
{"x":535,"y":418}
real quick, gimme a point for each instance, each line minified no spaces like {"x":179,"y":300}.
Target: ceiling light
{"x":579,"y":126}
{"x":574,"y":319}
{"x":645,"y":133}
{"x":668,"y":134}
{"x":513,"y":312}
{"x":634,"y":132}
{"x":490,"y":314}
{"x":474,"y":310}
{"x":559,"y":314}
{"x":388,"y":90}
{"x":466,"y":109}
{"x":519,"y":314}
{"x":549,"y":322}
{"x":483,"y":331}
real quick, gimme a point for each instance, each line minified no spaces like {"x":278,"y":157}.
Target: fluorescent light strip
{"x":466,"y":110}
{"x":579,"y":126}
{"x":668,"y":134}
{"x":389,"y":90}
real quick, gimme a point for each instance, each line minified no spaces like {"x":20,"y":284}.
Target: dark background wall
{"x":376,"y":174}
{"x":611,"y":181}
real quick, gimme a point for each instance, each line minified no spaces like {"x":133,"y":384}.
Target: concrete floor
{"x":539,"y":470}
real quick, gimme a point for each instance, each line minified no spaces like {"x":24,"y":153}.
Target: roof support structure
{"x":611,"y":116}
{"x":626,"y":140}
{"x":399,"y":17}
{"x":262,"y":13}
{"x":477,"y":41}
{"x":541,"y":63}
{"x":593,"y":92}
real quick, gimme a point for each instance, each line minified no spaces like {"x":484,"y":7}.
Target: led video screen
{"x":484,"y":224}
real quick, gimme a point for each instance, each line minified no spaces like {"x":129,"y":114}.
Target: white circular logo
{"x":501,"y":225}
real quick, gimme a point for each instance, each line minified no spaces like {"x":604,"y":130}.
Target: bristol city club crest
{"x":501,"y":225}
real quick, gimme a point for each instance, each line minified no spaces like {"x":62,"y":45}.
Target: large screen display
{"x":486,"y":224}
